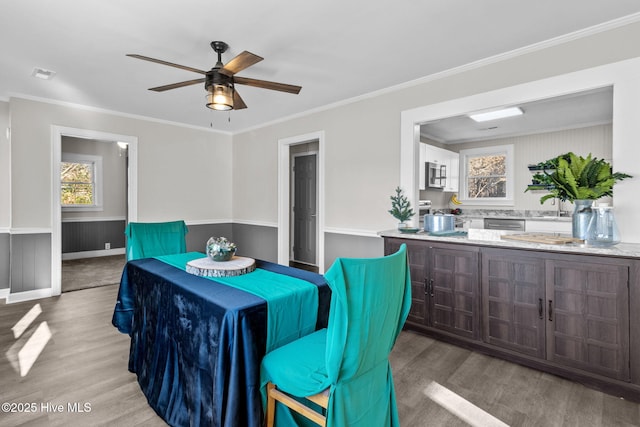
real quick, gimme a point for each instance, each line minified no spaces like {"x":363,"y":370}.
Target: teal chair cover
{"x":149,"y":239}
{"x":369,"y":304}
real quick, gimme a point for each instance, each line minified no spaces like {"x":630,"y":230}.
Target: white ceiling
{"x":594,"y":107}
{"x":335,"y":49}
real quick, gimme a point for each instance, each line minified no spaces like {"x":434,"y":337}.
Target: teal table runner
{"x":281,"y":292}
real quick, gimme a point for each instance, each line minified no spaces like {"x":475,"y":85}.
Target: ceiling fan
{"x":220,"y":81}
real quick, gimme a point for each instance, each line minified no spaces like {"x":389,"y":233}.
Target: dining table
{"x":197,"y":342}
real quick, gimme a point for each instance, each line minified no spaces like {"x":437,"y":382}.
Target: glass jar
{"x":602,"y":229}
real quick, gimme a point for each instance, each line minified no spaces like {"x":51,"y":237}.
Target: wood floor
{"x":86,"y":273}
{"x":85,"y":362}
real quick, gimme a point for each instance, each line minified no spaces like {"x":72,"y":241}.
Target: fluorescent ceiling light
{"x":496,"y":114}
{"x":43,"y":74}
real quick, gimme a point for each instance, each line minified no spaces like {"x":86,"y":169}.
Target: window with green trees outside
{"x":80,"y":181}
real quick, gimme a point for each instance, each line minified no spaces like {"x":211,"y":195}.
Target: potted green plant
{"x":401,"y":208}
{"x":579,"y":180}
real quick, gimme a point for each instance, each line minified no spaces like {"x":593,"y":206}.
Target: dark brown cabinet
{"x":569,"y":314}
{"x":588,"y":315}
{"x":444,"y":286}
{"x":513,"y":298}
{"x":453,"y":303}
{"x":417,"y":253}
{"x":573,"y":311}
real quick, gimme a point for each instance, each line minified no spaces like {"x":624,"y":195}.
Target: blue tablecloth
{"x":196,"y":344}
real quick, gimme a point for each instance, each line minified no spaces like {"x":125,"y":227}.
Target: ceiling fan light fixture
{"x":220,"y":97}
{"x":496,"y":114}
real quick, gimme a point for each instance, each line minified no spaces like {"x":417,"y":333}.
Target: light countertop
{"x":623,"y":250}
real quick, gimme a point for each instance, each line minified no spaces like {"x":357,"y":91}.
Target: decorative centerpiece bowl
{"x":220,"y":249}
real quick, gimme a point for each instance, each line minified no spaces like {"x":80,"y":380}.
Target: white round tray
{"x":206,"y":267}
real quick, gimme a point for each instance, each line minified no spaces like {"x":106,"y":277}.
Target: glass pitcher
{"x":602,"y":229}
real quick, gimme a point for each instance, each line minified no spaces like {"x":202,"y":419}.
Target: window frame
{"x":507,"y":151}
{"x":96,"y":162}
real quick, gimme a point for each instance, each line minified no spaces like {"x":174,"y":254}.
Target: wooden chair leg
{"x":271,"y":405}
{"x":274,"y":394}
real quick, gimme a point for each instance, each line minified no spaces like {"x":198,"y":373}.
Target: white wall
{"x":363,"y":137}
{"x":183,"y":173}
{"x":361,"y":155}
{"x":5,"y":167}
{"x":114,"y":173}
{"x":532,"y":149}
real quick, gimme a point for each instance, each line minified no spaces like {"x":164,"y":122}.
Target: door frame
{"x":284,"y":195}
{"x":57,"y":132}
{"x":293,"y":189}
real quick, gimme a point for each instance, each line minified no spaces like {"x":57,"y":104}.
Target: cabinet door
{"x":588,"y":316}
{"x":453,"y":291}
{"x":417,"y":253}
{"x":513,"y":301}
{"x":453,"y":172}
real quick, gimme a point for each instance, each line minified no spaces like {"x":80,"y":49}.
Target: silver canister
{"x":439,"y":223}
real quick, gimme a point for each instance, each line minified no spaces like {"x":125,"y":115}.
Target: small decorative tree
{"x":401,"y":207}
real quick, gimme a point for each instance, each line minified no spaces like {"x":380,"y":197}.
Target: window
{"x":487,"y":175}
{"x":81,"y":182}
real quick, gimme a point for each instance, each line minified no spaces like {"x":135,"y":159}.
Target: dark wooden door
{"x":513,"y":295}
{"x":453,"y":290}
{"x":304,"y":209}
{"x":588,"y":316}
{"x":417,"y":253}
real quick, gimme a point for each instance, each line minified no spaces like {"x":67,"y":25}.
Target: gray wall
{"x":92,"y":235}
{"x":256,"y":241}
{"x":261,"y":242}
{"x":199,"y":234}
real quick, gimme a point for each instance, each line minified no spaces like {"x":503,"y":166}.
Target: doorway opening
{"x":301,"y":201}
{"x":60,"y":133}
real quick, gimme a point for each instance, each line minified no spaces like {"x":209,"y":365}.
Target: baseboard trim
{"x":28,"y":295}
{"x":93,"y":254}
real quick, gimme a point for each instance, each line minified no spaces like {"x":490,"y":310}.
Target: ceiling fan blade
{"x":267,"y":85}
{"x":176,"y":85}
{"x":240,"y":62}
{"x":171,"y":64}
{"x":238,"y":103}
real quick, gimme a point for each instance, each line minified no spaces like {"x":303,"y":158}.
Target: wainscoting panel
{"x":256,"y":241}
{"x":199,"y":234}
{"x":83,"y":236}
{"x":30,"y":262}
{"x":351,"y":246}
{"x":261,"y":241}
{"x":5,"y":260}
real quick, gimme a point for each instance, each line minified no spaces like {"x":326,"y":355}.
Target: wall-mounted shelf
{"x":540,"y":187}
{"x":534,"y":186}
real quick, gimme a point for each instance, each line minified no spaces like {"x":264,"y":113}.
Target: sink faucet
{"x":561,"y":212}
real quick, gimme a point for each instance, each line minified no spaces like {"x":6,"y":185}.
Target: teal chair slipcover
{"x":149,"y":239}
{"x":349,"y":359}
